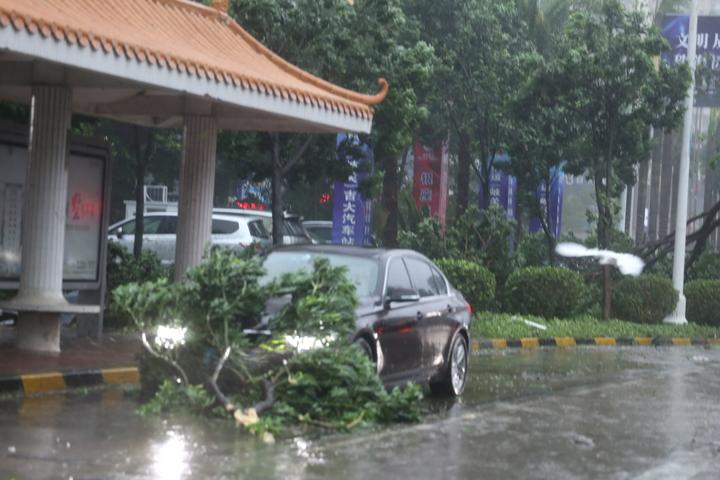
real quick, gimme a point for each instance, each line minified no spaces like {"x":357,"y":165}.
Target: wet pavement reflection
{"x":649,"y":413}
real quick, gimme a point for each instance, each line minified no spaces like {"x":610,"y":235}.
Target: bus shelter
{"x":156,"y":63}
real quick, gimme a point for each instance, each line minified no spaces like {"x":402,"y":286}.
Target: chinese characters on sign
{"x":557,"y":188}
{"x":83,"y":214}
{"x":351,"y":212}
{"x":430,"y":186}
{"x":675,"y":30}
{"x":503,"y":190}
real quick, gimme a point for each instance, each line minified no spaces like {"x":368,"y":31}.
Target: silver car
{"x":232,"y":231}
{"x":293,"y":232}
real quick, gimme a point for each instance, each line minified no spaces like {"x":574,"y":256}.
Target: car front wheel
{"x":453,"y":381}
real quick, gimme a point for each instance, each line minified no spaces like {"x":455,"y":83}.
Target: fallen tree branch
{"x":158,"y":355}
{"x":652,"y":253}
{"x":213,"y":382}
{"x":244,"y":416}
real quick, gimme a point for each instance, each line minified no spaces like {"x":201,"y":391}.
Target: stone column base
{"x":38,"y":332}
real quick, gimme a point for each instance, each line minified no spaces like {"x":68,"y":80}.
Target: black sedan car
{"x":411,"y":322}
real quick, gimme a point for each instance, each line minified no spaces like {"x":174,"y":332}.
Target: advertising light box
{"x":84,"y":211}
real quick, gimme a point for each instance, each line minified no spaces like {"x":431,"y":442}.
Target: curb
{"x":48,"y":382}
{"x":536,"y":342}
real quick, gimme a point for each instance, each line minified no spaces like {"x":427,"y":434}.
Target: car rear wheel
{"x":363,"y":345}
{"x":453,"y":381}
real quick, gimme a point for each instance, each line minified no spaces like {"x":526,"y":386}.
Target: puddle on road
{"x":81,"y":435}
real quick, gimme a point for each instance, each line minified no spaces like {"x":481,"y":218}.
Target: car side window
{"x":422,"y":277}
{"x":150,"y":225}
{"x":168,"y":226}
{"x":224,"y":227}
{"x":398,"y":280}
{"x":439,"y":282}
{"x":257,"y":229}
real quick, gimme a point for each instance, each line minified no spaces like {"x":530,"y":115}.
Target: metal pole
{"x":678,"y":316}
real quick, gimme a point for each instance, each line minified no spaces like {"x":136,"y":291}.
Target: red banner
{"x":430,"y":187}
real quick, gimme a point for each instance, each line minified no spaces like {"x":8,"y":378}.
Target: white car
{"x":293,"y":232}
{"x":232,"y":231}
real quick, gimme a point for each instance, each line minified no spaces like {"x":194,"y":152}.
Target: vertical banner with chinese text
{"x":557,"y":188}
{"x":503,"y":189}
{"x":675,"y":30}
{"x":351,"y":212}
{"x":430,"y":182}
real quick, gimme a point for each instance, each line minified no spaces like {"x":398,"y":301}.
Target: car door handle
{"x":450,"y":309}
{"x":420,"y":315}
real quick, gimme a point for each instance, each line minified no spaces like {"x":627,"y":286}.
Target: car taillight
{"x":469,"y":309}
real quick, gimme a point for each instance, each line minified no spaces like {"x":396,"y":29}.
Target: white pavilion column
{"x":197,"y":182}
{"x":43,"y":223}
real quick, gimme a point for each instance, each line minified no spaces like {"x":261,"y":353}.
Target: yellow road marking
{"x":475,"y":346}
{"x":684,"y":341}
{"x":607,"y":341}
{"x":118,"y":376}
{"x":499,"y":343}
{"x":531,"y":342}
{"x":42,"y":382}
{"x":644,"y":341}
{"x":565,"y":341}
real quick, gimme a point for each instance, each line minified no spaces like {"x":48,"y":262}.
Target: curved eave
{"x":297,"y":115}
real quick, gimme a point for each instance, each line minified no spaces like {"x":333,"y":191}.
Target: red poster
{"x":430,"y":186}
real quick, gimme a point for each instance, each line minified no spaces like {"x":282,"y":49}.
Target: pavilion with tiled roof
{"x":157,"y":63}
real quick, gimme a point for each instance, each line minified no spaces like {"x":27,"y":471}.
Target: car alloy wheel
{"x":458,"y":367}
{"x":454,"y":377}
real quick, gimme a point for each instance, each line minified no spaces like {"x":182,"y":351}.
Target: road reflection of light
{"x":170,"y":458}
{"x":304,"y":451}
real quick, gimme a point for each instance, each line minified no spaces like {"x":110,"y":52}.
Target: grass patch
{"x":500,"y":325}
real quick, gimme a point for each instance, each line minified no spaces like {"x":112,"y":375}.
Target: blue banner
{"x":557,"y":188}
{"x":675,"y":30}
{"x":351,"y":212}
{"x":503,"y":189}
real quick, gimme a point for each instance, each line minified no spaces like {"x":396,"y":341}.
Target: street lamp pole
{"x":678,"y":316}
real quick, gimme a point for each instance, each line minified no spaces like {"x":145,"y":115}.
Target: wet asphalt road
{"x":645,"y":413}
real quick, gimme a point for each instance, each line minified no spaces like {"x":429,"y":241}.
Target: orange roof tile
{"x":183,"y":36}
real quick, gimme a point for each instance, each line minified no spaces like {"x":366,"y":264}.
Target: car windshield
{"x":363,"y":272}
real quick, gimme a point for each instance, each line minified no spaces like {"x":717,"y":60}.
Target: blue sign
{"x":503,"y":189}
{"x":675,"y":30}
{"x":554,"y":209}
{"x":351,"y":212}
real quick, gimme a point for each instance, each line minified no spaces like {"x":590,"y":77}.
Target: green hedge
{"x":703,"y":302}
{"x":475,"y":282}
{"x":643,"y":299}
{"x":549,"y":292}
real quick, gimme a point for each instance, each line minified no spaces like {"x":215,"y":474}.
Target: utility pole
{"x":678,"y":316}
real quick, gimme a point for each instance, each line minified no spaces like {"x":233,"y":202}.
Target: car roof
{"x":215,"y":216}
{"x":370,"y":252}
{"x":253,"y":213}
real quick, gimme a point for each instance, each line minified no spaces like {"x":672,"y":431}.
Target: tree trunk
{"x":140,"y":170}
{"x":655,"y":180}
{"x":277,"y":202}
{"x":666,"y":185}
{"x":642,"y":185}
{"x":628,"y":210}
{"x":463,"y":173}
{"x":390,"y":200}
{"x":607,"y":292}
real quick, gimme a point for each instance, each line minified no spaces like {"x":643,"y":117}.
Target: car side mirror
{"x":401,"y":296}
{"x":119,"y":233}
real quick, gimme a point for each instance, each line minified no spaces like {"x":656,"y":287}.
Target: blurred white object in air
{"x":627,"y":263}
{"x":529,"y":323}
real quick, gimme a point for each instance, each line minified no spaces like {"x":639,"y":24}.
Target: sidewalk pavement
{"x":82,"y":362}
